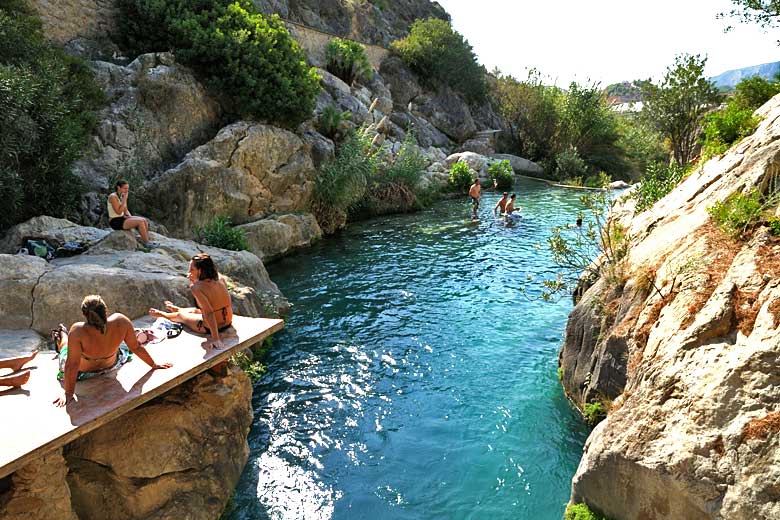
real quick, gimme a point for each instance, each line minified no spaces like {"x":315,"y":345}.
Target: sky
{"x":606,"y":41}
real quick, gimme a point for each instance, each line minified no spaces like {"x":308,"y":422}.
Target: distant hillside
{"x":729,"y":79}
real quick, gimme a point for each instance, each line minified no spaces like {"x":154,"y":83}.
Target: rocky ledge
{"x":682,"y":347}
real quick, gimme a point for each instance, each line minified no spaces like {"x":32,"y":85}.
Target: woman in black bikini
{"x":96,"y":346}
{"x":214,"y":311}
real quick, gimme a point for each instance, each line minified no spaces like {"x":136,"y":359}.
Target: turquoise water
{"x":413,"y":380}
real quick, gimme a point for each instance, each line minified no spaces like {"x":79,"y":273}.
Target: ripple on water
{"x":413,"y":380}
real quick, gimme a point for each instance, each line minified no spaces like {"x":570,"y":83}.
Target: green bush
{"x":461,"y":176}
{"x":47,"y":103}
{"x":347,"y":60}
{"x":569,"y":165}
{"x":503,"y":174}
{"x":656,"y":183}
{"x":440,"y":55}
{"x":753,"y":92}
{"x":724,"y":127}
{"x":737,"y":213}
{"x":594,"y":412}
{"x":342,"y":182}
{"x":329,"y":121}
{"x":408,"y":166}
{"x":580,"y":512}
{"x":249,"y":59}
{"x":774,"y":225}
{"x":220,"y":233}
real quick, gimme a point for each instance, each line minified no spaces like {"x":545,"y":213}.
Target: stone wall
{"x":314,"y":43}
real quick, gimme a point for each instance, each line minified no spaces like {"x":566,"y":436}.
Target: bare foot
{"x":170,"y":306}
{"x":15,"y":380}
{"x":156,"y":313}
{"x":16,"y":363}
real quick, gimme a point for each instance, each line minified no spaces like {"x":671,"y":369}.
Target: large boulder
{"x":19,"y":277}
{"x":275,"y":236}
{"x":19,"y":342}
{"x":247,"y":171}
{"x":39,"y":490}
{"x":157,"y":113}
{"x":179,"y":456}
{"x":478,"y":163}
{"x":401,"y":81}
{"x":56,"y":231}
{"x":519,"y":165}
{"x":448,"y":112}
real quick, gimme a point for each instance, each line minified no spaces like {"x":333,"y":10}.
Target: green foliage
{"x":626,"y":91}
{"x":47,"y":103}
{"x":753,"y":92}
{"x":569,"y":167}
{"x":461,"y":176}
{"x":765,"y":13}
{"x":658,"y":180}
{"x":676,"y":107}
{"x":342,"y":182}
{"x":502,"y":173}
{"x":247,"y":58}
{"x":560,"y":373}
{"x":580,"y":512}
{"x":251,"y":360}
{"x":642,"y":144}
{"x":737,"y":213}
{"x":774,"y":225}
{"x":724,"y":127}
{"x":330,"y":120}
{"x":440,"y":55}
{"x":408,"y":166}
{"x":594,"y":412}
{"x":347,"y":60}
{"x":220,"y":233}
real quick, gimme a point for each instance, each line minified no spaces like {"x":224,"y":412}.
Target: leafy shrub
{"x":601,"y":180}
{"x":408,"y":166}
{"x":220,"y":233}
{"x":724,"y":127}
{"x":329,"y":121}
{"x":503,"y":174}
{"x":47,"y":103}
{"x":737,"y":213}
{"x":594,"y":412}
{"x":774,"y":225}
{"x":753,"y":92}
{"x":246,"y":57}
{"x":441,"y":55}
{"x":461,"y":176}
{"x":569,"y":165}
{"x":656,"y":183}
{"x":342,"y":182}
{"x":347,"y":60}
{"x":580,"y":512}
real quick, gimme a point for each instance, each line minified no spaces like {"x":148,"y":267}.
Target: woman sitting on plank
{"x":95,"y":347}
{"x":214,"y":311}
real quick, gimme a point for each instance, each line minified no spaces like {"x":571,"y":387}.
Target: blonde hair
{"x":94,"y":310}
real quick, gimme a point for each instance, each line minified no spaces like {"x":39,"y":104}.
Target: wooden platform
{"x":32,"y":425}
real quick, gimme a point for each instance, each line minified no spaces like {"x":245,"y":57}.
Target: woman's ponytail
{"x":94,"y":310}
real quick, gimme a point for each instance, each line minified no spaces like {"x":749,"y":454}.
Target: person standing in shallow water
{"x":501,"y":204}
{"x":475,"y":192}
{"x":119,"y":217}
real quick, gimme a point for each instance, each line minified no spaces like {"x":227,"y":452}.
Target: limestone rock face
{"x":273,"y":237}
{"x":687,"y":350}
{"x":39,"y":490}
{"x":248,"y":170}
{"x":179,"y":456}
{"x":68,"y":20}
{"x":158,"y":113}
{"x":39,"y":295}
{"x":448,"y":112}
{"x":475,"y":161}
{"x":400,"y":80}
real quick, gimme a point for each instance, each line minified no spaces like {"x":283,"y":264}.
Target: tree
{"x":677,"y":106}
{"x":766,"y":13}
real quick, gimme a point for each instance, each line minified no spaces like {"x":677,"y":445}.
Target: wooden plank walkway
{"x":32,"y":425}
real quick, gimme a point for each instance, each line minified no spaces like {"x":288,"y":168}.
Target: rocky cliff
{"x":682,"y":347}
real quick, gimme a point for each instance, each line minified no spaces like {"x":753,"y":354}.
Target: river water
{"x":413,"y":380}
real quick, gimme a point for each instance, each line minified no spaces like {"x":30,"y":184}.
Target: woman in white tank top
{"x":119,"y":217}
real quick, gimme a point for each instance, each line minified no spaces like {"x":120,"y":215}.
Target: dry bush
{"x":746,"y":306}
{"x":774,"y":308}
{"x":761,"y":428}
